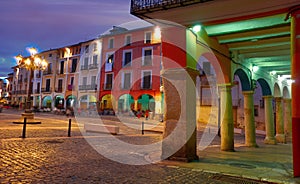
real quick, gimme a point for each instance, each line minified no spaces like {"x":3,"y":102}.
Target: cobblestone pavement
{"x":47,"y":155}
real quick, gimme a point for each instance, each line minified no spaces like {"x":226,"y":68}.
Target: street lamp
{"x":31,"y":63}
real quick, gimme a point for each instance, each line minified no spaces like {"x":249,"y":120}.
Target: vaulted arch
{"x":245,"y":82}
{"x":265,"y":87}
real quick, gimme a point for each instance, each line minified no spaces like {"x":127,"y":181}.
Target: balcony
{"x":22,"y":92}
{"x":84,"y":67}
{"x":58,"y":90}
{"x":37,"y":91}
{"x":47,"y":72}
{"x":146,"y":6}
{"x":60,"y":72}
{"x":72,"y":70}
{"x":46,"y":90}
{"x":107,"y":87}
{"x":93,"y":66}
{"x":88,"y":87}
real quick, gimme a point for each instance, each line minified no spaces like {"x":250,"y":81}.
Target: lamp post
{"x":31,"y":63}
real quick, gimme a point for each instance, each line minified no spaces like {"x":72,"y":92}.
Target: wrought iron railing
{"x":142,"y":5}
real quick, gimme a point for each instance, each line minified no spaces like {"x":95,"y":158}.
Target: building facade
{"x":130,"y":73}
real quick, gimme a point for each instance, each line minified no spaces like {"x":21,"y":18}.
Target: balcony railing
{"x":46,"y":90}
{"x":37,"y":91}
{"x":58,"y":90}
{"x":72,"y":70}
{"x":47,"y":72}
{"x":93,"y":66}
{"x":143,"y":6}
{"x":60,"y":72}
{"x":21,"y":92}
{"x":107,"y":87}
{"x":84,"y":67}
{"x":88,"y":87}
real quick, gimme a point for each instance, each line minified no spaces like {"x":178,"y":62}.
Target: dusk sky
{"x":54,"y":23}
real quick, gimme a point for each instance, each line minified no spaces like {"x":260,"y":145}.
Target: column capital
{"x":248,"y":92}
{"x":268,"y":97}
{"x":225,"y":86}
{"x":278,"y":99}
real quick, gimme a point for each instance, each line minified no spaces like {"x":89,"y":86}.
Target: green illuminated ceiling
{"x":264,"y":41}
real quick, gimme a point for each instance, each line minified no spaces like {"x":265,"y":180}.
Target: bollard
{"x":142,"y":128}
{"x":24,"y":128}
{"x":69,"y":129}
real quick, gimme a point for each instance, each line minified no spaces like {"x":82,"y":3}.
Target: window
{"x":148,"y":38}
{"x":85,"y":64}
{"x":62,"y":66}
{"x":95,"y":58}
{"x":126,"y":80}
{"x":86,"y":49}
{"x":147,"y":56}
{"x":93,"y":80}
{"x":95,"y":47}
{"x":47,"y":85}
{"x":84,"y":80}
{"x":74,"y":65}
{"x":38,"y":86}
{"x":50,"y":55}
{"x":111,"y":43}
{"x":127,"y":58}
{"x":109,"y":62}
{"x":128,"y":40}
{"x":72,"y":81}
{"x":83,"y":85}
{"x":108,"y":81}
{"x":49,"y":68}
{"x":60,"y":84}
{"x":146,"y":79}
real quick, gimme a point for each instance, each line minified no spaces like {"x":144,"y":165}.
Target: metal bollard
{"x":142,"y":128}
{"x":24,"y":128}
{"x":69,"y":128}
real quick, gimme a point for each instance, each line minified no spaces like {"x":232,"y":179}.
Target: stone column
{"x":250,"y":129}
{"x":179,"y":137}
{"x":288,"y":118}
{"x":280,"y":137}
{"x":269,"y":121}
{"x":295,"y":67}
{"x":227,"y":127}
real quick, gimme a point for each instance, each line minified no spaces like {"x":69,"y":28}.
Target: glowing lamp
{"x":196,"y":28}
{"x":255,"y":68}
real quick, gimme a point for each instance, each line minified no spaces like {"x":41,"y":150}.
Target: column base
{"x":280,"y":138}
{"x":252,"y":145}
{"x":288,"y":137}
{"x":269,"y":140}
{"x":176,"y":144}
